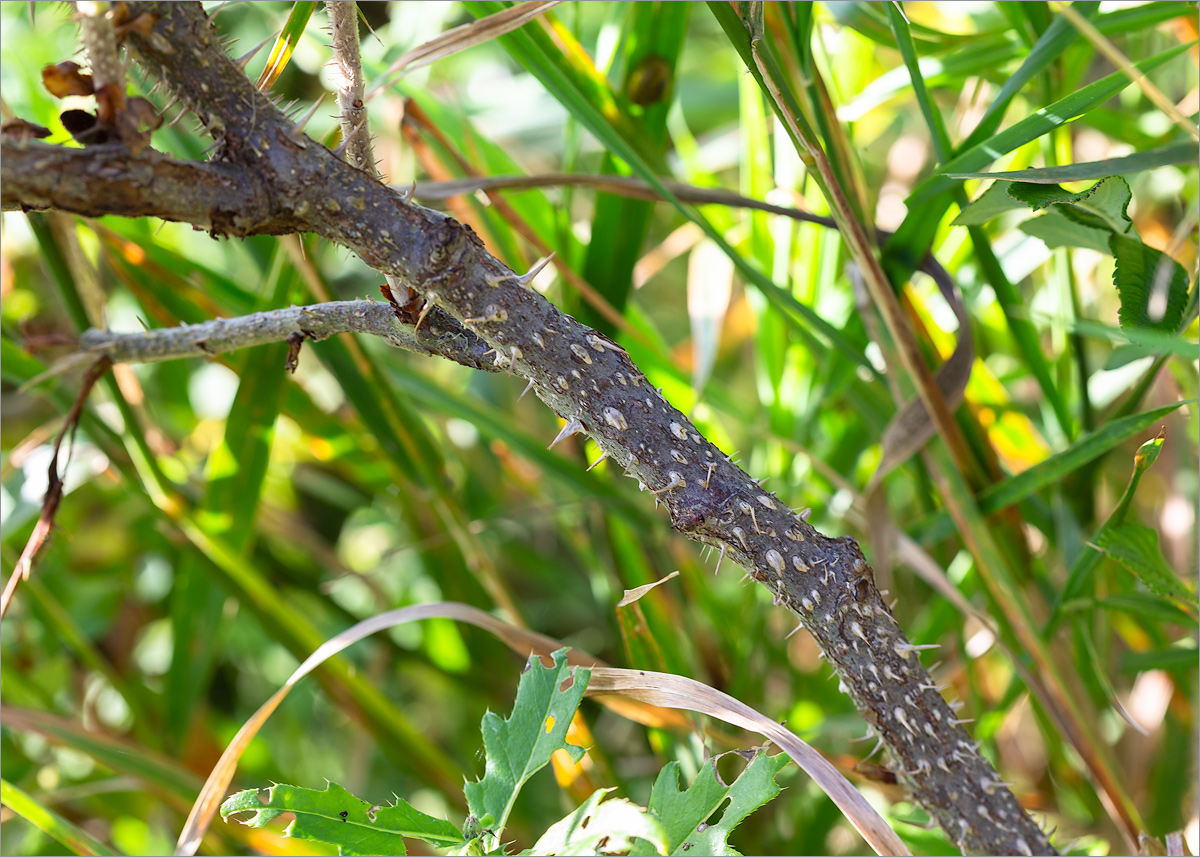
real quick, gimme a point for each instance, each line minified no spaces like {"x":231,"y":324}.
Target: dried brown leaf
{"x":66,"y":79}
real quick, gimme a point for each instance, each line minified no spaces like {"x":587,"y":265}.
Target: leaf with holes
{"x":685,"y":814}
{"x":519,"y":747}
{"x":602,"y":827}
{"x":339,"y":818}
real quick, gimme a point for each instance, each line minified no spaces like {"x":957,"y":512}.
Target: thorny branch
{"x":586,"y":379}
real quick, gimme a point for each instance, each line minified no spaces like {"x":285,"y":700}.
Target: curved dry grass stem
{"x":641,"y":696}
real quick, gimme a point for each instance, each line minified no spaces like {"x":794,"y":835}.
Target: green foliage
{"x":519,"y":747}
{"x":1153,"y":286}
{"x":700,"y":818}
{"x":602,"y":827}
{"x":1097,"y":218}
{"x":339,"y":818}
{"x":515,"y":749}
{"x":1135,"y":546}
{"x":222,"y":519}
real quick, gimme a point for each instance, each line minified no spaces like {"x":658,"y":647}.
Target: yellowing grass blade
{"x":281,"y":51}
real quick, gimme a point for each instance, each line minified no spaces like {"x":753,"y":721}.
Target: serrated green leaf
{"x":685,"y":814}
{"x":1110,"y":202}
{"x":610,"y":827}
{"x":1039,"y":196}
{"x":990,"y":204}
{"x":519,"y":747}
{"x":1057,"y":230}
{"x":1087,"y":560}
{"x":1152,"y":286}
{"x":1135,"y":547}
{"x":1103,"y":206}
{"x":337,"y":817}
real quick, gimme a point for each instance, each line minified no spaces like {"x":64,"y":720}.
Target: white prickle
{"x":573,"y":426}
{"x":581,"y":353}
{"x":902,"y":719}
{"x":677,"y":481}
{"x":615,"y":419}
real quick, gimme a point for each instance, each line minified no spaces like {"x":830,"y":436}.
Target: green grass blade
{"x":285,"y":44}
{"x":534,"y":50}
{"x":1035,"y":125}
{"x":1015,"y":489}
{"x":908,"y":52}
{"x":75,"y":839}
{"x":1056,"y":38}
{"x":164,"y":776}
{"x":653,"y":42}
{"x":1164,"y":156}
{"x":235,"y":473}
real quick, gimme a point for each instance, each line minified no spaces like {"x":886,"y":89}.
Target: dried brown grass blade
{"x":673,"y":691}
{"x":645,"y":697}
{"x":54,"y":490}
{"x":632,"y":595}
{"x":518,"y":639}
{"x":461,"y":38}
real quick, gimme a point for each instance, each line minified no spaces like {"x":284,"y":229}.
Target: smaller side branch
{"x":348,"y":80}
{"x":438,"y":336}
{"x":352,"y":111}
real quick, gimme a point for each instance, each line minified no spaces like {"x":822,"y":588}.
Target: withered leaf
{"x":20,"y":130}
{"x":66,"y":79}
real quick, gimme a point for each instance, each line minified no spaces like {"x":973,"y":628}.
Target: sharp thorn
{"x":244,"y":60}
{"x":529,"y":387}
{"x":425,"y":311}
{"x":720,"y":559}
{"x":298,"y":128}
{"x":603,"y":455}
{"x":526,"y":278}
{"x":573,"y":426}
